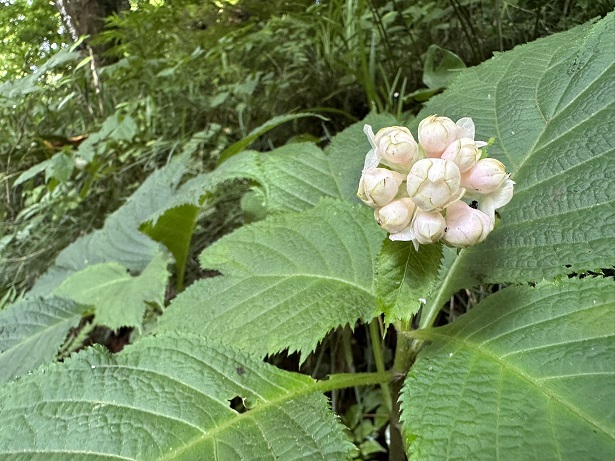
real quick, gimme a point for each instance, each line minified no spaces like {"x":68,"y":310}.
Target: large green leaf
{"x":528,"y":374}
{"x":167,"y":398}
{"x":286,"y":280}
{"x":120,"y":240}
{"x":550,"y":105}
{"x":32,"y":331}
{"x":119,"y":298}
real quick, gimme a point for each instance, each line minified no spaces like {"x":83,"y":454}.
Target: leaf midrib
{"x":47,"y":329}
{"x":291,"y":395}
{"x":470,"y":345}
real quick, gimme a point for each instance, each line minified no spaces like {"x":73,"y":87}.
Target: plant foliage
{"x":185,"y":414}
{"x":512,"y":379}
{"x":527,"y":374}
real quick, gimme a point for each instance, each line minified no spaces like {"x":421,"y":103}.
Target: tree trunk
{"x":87,"y":17}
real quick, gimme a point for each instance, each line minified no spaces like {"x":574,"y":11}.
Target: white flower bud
{"x":379,"y":186}
{"x":428,"y":226}
{"x":465,"y":128}
{"x":433,"y":183}
{"x":396,"y":215}
{"x":372,"y":159}
{"x":497,"y":198}
{"x":466,"y":226}
{"x":463,"y":152}
{"x":484,"y":177}
{"x":397,"y":147}
{"x":435,"y":135}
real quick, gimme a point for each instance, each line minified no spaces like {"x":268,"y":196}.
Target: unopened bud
{"x":397,"y":147}
{"x":379,"y":186}
{"x":396,"y":215}
{"x":434,"y":183}
{"x":484,"y":177}
{"x":463,"y":152}
{"x":466,"y":226}
{"x":428,"y":226}
{"x":435,"y":135}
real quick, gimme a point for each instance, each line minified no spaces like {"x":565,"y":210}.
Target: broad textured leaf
{"x":550,"y":105}
{"x":120,"y":240}
{"x":286,"y":281}
{"x":528,"y":374}
{"x":347,"y":150}
{"x":405,"y":278}
{"x":294,"y":177}
{"x":119,"y":297}
{"x":167,"y":398}
{"x":32,"y":331}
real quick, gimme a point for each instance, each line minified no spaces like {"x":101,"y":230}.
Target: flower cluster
{"x":437,"y":189}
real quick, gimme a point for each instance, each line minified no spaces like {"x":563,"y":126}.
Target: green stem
{"x":430,"y":312}
{"x":403,"y":352}
{"x":374,"y":334}
{"x":344,"y":380}
{"x":404,"y":357}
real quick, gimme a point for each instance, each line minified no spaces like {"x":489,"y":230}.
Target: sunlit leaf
{"x":120,"y":240}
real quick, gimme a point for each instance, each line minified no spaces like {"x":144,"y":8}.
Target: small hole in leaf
{"x":237,"y":404}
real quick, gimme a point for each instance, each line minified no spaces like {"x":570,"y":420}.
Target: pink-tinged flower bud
{"x":428,"y":226}
{"x":466,"y":226}
{"x":396,"y":215}
{"x":434,"y":183}
{"x":379,"y":186}
{"x":498,"y":198}
{"x":463,"y":152}
{"x":435,"y":135}
{"x":484,"y":177}
{"x":397,"y":147}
